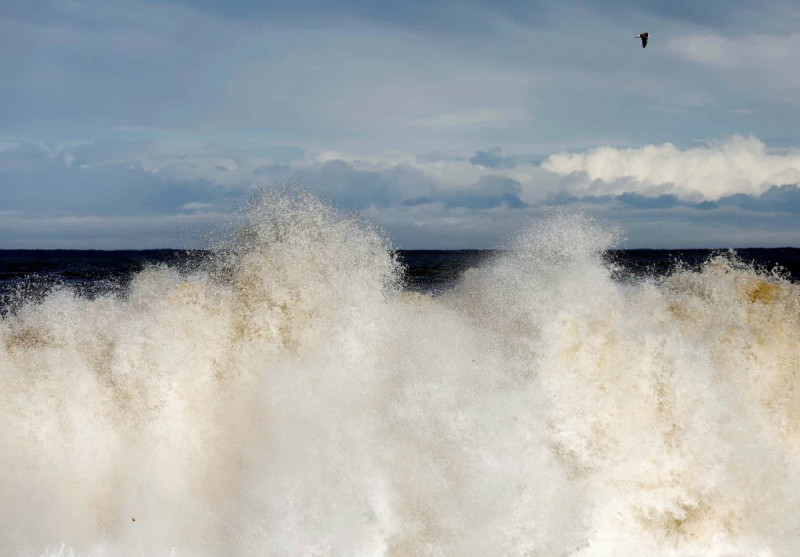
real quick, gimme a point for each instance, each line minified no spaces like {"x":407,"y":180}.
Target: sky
{"x":146,"y":123}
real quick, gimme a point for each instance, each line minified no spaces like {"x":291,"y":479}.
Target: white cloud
{"x":736,"y":165}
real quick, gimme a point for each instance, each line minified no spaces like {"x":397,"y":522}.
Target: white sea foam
{"x":293,"y":400}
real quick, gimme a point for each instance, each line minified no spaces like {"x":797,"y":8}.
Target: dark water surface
{"x":30,"y":274}
{"x":435,"y":270}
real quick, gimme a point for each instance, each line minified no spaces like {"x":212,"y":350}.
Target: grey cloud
{"x":401,"y":185}
{"x":23,"y":157}
{"x":357,"y":81}
{"x":25,"y":151}
{"x":436,"y":227}
{"x":272,"y":171}
{"x":691,"y":227}
{"x":492,"y":159}
{"x":54,"y":187}
{"x":469,"y":16}
{"x":110,"y":232}
{"x":474,"y":15}
{"x":490,"y":191}
{"x":111,"y":150}
{"x":777,"y":199}
{"x":282,"y":154}
{"x":438,"y":157}
{"x":638,"y":201}
{"x":359,"y":189}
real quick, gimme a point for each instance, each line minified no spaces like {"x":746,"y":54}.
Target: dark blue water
{"x":31,"y":274}
{"x":432,"y":271}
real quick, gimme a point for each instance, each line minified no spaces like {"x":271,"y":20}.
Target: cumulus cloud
{"x":736,"y":165}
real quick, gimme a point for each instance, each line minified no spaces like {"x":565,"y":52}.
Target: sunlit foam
{"x":290,"y":399}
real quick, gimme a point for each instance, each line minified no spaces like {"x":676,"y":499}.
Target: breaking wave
{"x":292,"y":399}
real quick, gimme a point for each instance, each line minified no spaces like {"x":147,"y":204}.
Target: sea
{"x":30,"y":275}
{"x":305,"y":389}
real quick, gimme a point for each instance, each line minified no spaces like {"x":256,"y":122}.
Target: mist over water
{"x":292,"y":399}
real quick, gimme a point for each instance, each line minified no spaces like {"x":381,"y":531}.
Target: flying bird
{"x":644,"y":37}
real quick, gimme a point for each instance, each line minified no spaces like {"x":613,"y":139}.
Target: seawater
{"x":290,"y":397}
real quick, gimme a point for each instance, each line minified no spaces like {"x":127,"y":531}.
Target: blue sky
{"x":135,"y":124}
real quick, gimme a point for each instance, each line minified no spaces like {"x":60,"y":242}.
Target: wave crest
{"x":289,"y":399}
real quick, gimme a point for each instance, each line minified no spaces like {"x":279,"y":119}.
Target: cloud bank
{"x":737,"y":165}
{"x":736,"y":192}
